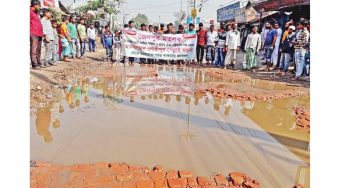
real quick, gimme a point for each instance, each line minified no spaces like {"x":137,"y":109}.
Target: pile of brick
{"x":302,"y":117}
{"x":127,"y":176}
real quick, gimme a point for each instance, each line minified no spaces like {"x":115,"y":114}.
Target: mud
{"x":206,"y":120}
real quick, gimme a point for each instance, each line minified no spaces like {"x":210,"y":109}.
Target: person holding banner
{"x":130,"y":28}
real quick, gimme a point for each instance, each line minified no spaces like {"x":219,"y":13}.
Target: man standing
{"x":211,"y":39}
{"x":220,"y":47}
{"x":201,"y":42}
{"x":269,"y":44}
{"x":143,"y":28}
{"x":162,"y":28}
{"x":91,"y":32}
{"x":83,"y":37}
{"x":72,"y":29}
{"x":151,"y":28}
{"x":107,"y":37}
{"x":299,"y":51}
{"x":275,"y":54}
{"x":48,"y":38}
{"x":65,"y":40}
{"x":287,"y":49}
{"x":180,"y":29}
{"x":232,"y":45}
{"x":252,"y":47}
{"x":56,"y":41}
{"x":130,"y":28}
{"x":36,"y":33}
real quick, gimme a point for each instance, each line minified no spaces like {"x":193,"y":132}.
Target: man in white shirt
{"x":275,"y":54}
{"x":252,"y":46}
{"x":232,"y":45}
{"x":91,"y":32}
{"x":211,"y":39}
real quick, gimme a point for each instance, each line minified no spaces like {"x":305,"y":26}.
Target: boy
{"x":56,"y":42}
{"x":220,"y":45}
{"x":107,"y":41}
{"x":48,"y":38}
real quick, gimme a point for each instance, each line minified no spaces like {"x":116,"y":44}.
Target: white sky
{"x":154,"y":9}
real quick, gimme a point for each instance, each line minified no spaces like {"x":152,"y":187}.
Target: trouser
{"x":210,"y":53}
{"x":275,"y":55}
{"x":285,"y":61}
{"x":299,"y":56}
{"x":82,"y":47}
{"x":117,"y":53}
{"x":268,"y":51}
{"x":35,"y":50}
{"x":200,"y":53}
{"x":49,"y":49}
{"x":91,"y":45}
{"x":109,"y":52}
{"x":250,"y":58}
{"x":230,"y":57}
{"x":220,"y":57}
{"x":142,"y":60}
{"x":131,"y":59}
{"x":75,"y":46}
{"x":55,"y":52}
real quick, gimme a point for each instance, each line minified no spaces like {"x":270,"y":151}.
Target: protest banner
{"x":142,"y":44}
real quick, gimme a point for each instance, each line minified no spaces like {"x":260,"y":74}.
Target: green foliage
{"x":139,"y":19}
{"x":56,"y":15}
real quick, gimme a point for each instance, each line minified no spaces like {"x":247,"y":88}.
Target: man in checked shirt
{"x":299,"y":51}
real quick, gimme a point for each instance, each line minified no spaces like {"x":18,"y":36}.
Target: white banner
{"x":142,"y":44}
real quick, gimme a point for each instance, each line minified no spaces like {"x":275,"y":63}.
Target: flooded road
{"x":149,"y":120}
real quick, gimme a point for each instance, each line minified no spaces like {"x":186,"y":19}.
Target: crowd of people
{"x":215,"y":47}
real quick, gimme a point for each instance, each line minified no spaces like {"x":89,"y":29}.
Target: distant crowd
{"x":279,"y":49}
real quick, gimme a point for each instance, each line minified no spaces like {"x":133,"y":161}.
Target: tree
{"x":140,"y":19}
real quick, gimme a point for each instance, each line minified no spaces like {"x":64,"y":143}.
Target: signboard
{"x":49,"y":3}
{"x":245,"y":15}
{"x":228,"y":12}
{"x":194,"y":13}
{"x":142,"y":44}
{"x":270,"y":5}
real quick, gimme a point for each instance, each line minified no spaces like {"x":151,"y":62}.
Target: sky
{"x":163,"y":11}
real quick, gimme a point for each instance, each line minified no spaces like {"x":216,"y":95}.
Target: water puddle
{"x":150,"y":120}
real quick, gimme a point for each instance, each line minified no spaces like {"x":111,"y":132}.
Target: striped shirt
{"x":47,"y":28}
{"x":302,"y":39}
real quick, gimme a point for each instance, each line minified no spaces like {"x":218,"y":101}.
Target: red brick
{"x":185,"y":174}
{"x":250,"y":184}
{"x":145,"y":184}
{"x":191,"y":181}
{"x":124,"y":177}
{"x":237,"y":178}
{"x":157,"y":175}
{"x":205,"y":181}
{"x":141,"y":176}
{"x":177,"y":182}
{"x":119,"y":168}
{"x":128,"y":184}
{"x":171,"y":174}
{"x":158,"y":168}
{"x":221,"y":180}
{"x":160,"y":183}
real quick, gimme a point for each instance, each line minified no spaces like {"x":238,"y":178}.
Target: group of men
{"x":219,"y":48}
{"x":60,"y":42}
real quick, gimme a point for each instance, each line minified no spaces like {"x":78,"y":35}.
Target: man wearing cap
{"x":48,"y":38}
{"x":287,"y":50}
{"x":36,"y":33}
{"x":299,"y":51}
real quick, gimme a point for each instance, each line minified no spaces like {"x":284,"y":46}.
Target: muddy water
{"x":161,"y":120}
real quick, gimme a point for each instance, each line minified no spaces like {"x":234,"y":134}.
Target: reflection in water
{"x":274,"y":117}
